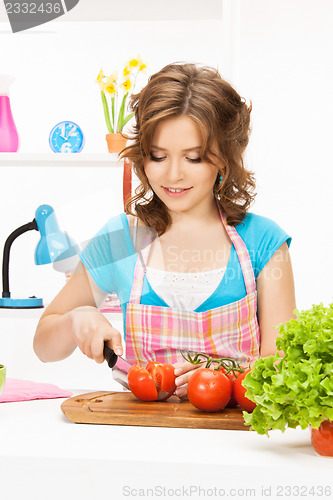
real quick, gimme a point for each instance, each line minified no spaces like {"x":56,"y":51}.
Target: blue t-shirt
{"x":110,"y":258}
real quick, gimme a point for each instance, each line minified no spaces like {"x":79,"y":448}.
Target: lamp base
{"x":30,"y":303}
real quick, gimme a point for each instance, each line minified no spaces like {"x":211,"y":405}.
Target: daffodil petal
{"x":102,"y":85}
{"x":100,"y":76}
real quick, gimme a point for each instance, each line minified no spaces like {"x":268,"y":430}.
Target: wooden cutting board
{"x":122,"y":408}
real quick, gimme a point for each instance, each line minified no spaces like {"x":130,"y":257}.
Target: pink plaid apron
{"x":155,"y":333}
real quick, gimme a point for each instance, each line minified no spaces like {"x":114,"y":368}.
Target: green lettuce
{"x":296,"y":389}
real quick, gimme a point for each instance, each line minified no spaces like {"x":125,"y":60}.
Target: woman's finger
{"x":97,"y":347}
{"x":184,"y":367}
{"x":114,"y":341}
{"x":185,"y":373}
{"x":181,"y":392}
{"x":184,"y":378}
{"x":86,"y":349}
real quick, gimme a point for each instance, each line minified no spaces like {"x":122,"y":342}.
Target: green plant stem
{"x":106,"y":113}
{"x":222,"y":362}
{"x":127,"y":119}
{"x":113,"y":119}
{"x":121,"y":114}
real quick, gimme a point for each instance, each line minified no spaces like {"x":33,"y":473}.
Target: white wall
{"x":282,"y":52}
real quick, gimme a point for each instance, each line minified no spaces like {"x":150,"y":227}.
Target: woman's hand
{"x":90,"y":330}
{"x":183,"y":372}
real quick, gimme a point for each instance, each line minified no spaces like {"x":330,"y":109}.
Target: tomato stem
{"x":229,"y":364}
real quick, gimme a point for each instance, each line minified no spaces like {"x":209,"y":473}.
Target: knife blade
{"x":119,"y":366}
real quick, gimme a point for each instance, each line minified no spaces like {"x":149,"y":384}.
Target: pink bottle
{"x":9,"y":141}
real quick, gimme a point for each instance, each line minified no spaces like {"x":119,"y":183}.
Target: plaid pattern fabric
{"x":155,"y":333}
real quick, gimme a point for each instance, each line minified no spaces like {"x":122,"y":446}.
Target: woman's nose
{"x":175,"y":169}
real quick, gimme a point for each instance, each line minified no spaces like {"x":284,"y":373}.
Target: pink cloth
{"x":26,"y":390}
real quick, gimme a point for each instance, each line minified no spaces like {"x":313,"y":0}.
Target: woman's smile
{"x":176,"y":192}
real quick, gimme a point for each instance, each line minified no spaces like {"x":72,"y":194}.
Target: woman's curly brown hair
{"x":222,"y":116}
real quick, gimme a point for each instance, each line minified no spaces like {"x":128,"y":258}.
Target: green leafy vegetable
{"x":295,"y":389}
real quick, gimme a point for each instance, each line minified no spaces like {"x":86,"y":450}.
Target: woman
{"x":193,"y":269}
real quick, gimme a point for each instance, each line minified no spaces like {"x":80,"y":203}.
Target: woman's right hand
{"x":90,"y":330}
{"x":183,"y":372}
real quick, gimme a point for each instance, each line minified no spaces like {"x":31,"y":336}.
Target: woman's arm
{"x":73,"y":319}
{"x":276,"y":298}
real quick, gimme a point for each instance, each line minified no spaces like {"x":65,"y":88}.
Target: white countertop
{"x":44,"y":455}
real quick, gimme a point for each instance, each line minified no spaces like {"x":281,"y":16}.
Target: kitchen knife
{"x":120,"y":367}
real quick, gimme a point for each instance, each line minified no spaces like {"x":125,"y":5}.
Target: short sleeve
{"x":272,"y":239}
{"x":262,"y":237}
{"x":103,"y":253}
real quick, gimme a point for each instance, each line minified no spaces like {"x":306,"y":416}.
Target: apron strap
{"x":243,"y":256}
{"x":140,"y":271}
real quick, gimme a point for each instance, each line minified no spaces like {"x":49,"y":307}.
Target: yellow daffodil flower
{"x":135,"y":63}
{"x":100,"y":76}
{"x":126,"y":71}
{"x":102,"y":85}
{"x":112,"y":78}
{"x":126,"y":85}
{"x":111,"y":89}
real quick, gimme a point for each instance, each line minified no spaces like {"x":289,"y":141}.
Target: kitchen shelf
{"x":59,"y":160}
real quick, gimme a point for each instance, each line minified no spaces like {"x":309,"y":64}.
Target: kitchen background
{"x":277,"y":53}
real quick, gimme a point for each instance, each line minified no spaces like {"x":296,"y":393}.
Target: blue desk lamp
{"x":53,"y":246}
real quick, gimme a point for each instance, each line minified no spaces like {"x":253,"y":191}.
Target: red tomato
{"x":155,"y":382}
{"x":232,"y":401}
{"x":164,"y":377}
{"x":240,"y":392}
{"x":141,"y":384}
{"x":208,"y":390}
{"x":322,"y":439}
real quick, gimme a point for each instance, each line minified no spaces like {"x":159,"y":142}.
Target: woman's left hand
{"x":183,"y":372}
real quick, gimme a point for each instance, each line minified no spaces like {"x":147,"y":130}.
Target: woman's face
{"x":175,"y":170}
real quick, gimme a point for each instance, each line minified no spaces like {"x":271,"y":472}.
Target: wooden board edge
{"x":141,"y":421}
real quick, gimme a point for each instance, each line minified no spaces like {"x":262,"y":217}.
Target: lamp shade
{"x":54,"y":245}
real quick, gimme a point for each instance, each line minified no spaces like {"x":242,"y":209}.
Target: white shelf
{"x":60,"y":160}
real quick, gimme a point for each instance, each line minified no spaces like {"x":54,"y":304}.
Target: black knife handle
{"x":110,"y":356}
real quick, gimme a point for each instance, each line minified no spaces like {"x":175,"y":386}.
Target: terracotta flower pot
{"x":322,"y":439}
{"x":116,"y":142}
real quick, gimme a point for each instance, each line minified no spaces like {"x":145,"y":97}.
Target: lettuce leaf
{"x":296,"y":389}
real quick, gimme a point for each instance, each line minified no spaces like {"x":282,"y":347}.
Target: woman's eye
{"x":194,"y":160}
{"x":161,"y":158}
{"x":154,"y":158}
